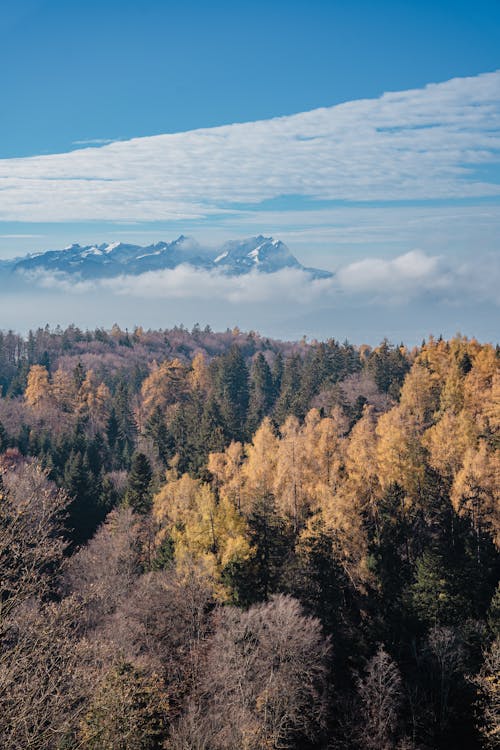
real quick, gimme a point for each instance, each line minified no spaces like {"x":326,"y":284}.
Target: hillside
{"x":306,"y":533}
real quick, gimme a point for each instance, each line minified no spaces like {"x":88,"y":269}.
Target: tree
{"x":37,"y":393}
{"x":32,"y":513}
{"x":85,"y":511}
{"x":436,"y":598}
{"x":138,"y":494}
{"x":476,"y":494}
{"x":445,"y":658}
{"x":44,"y":676}
{"x":4,"y":440}
{"x":103,"y":571}
{"x":488,"y":703}
{"x":268,"y":664}
{"x":380,"y":695}
{"x":232,"y":393}
{"x":288,"y":401}
{"x":162,"y":622}
{"x":261,"y":392}
{"x":209,"y":531}
{"x":93,"y":402}
{"x":64,"y":391}
{"x":165,"y":385}
{"x":259,"y":470}
{"x":289,"y":490}
{"x":128,"y":711}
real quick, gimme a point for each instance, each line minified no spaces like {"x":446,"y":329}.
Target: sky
{"x":364,"y":135}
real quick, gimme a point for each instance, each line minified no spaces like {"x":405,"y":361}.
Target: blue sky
{"x":351,"y":175}
{"x":99,"y":69}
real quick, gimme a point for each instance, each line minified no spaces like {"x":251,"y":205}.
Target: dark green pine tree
{"x":314,"y":373}
{"x":277,"y":374}
{"x":4,"y":442}
{"x":127,"y":428}
{"x":112,"y":428}
{"x":388,"y":366}
{"x":261,"y":393}
{"x":211,"y":433}
{"x":231,"y":387}
{"x":84,"y":512}
{"x":262,"y":575}
{"x":335,"y":361}
{"x":79,"y":375}
{"x":19,"y":381}
{"x":288,"y":401}
{"x":436,"y":595}
{"x":156,"y":429}
{"x":138,"y":494}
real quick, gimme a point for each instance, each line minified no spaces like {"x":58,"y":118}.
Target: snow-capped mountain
{"x":260,"y":254}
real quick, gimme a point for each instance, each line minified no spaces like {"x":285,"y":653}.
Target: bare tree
{"x":161,"y":626}
{"x":380,"y":693}
{"x":103,"y":572}
{"x":46,"y":672}
{"x":264,"y":682}
{"x":446,"y":660}
{"x":32,"y":512}
{"x":488,"y":684}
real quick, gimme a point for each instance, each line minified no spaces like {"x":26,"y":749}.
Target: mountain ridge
{"x":107,"y":260}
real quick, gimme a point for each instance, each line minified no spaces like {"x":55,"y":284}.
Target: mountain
{"x":262,"y":254}
{"x":234,"y":258}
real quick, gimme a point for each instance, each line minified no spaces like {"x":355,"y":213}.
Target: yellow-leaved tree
{"x":64,"y":390}
{"x":290,"y":490}
{"x":259,"y":469}
{"x":202,"y":528}
{"x":38,"y":390}
{"x":93,"y":401}
{"x":226,"y":468}
{"x":476,"y":492}
{"x":165,"y":385}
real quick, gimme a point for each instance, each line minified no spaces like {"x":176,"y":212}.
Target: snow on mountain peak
{"x":236,"y":257}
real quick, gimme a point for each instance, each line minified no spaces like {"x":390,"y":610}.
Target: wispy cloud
{"x":94,"y":141}
{"x":442,"y":141}
{"x":21,"y":236}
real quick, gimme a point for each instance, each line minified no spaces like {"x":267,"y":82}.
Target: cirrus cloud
{"x":440,"y":141}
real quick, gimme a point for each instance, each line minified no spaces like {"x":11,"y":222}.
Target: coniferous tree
{"x":289,"y":402}
{"x":261,"y":393}
{"x":4,"y":442}
{"x":231,"y":383}
{"x":138,"y":494}
{"x":84,"y":511}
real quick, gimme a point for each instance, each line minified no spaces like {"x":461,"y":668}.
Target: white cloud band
{"x":435,"y":142}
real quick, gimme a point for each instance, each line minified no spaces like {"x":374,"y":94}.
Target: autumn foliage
{"x":219,"y":541}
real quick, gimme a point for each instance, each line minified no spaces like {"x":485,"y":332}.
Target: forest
{"x":220,"y":541}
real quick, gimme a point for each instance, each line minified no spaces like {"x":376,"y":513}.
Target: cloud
{"x":369,"y":281}
{"x":21,"y":236}
{"x":399,"y":276}
{"x":441,"y":141}
{"x":418,"y":275}
{"x":93,"y":141}
{"x":187,"y":282}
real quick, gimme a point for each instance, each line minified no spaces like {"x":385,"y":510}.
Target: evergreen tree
{"x":231,"y":383}
{"x":84,"y":512}
{"x":4,"y":442}
{"x":138,"y":493}
{"x":211,"y":433}
{"x":261,"y":393}
{"x":157,"y":430}
{"x":289,"y":402}
{"x":277,"y":373}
